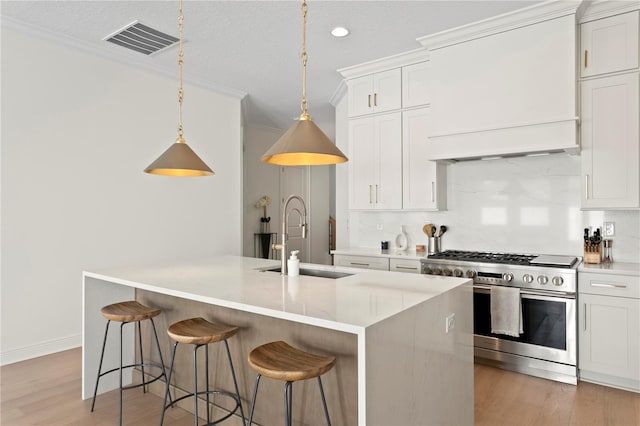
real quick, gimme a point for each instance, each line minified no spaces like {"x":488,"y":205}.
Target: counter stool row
{"x":275,"y":360}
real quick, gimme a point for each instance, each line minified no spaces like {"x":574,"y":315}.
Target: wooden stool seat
{"x":278,"y":360}
{"x":199,"y":331}
{"x":129,"y":311}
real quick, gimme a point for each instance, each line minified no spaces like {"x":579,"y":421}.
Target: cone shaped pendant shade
{"x":304,"y":144}
{"x":179,"y":160}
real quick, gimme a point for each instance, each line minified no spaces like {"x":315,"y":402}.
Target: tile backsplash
{"x":523,"y":205}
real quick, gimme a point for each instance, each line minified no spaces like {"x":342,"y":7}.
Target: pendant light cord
{"x":304,"y":105}
{"x":180,"y":60}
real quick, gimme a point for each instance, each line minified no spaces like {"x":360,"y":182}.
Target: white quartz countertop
{"x":622,"y":268}
{"x":376,"y":252}
{"x":347,"y":304}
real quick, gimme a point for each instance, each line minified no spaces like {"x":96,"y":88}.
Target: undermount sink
{"x":316,"y":273}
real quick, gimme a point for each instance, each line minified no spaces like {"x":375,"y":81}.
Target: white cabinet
{"x":375,"y":166}
{"x":416,"y":85}
{"x":405,"y":265}
{"x":423,"y":181}
{"x":374,"y":93}
{"x":365,"y":262}
{"x":609,"y":329}
{"x":609,"y":44}
{"x":610,"y":142}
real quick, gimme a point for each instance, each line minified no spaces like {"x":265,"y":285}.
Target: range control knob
{"x":457,"y":272}
{"x":436,"y":271}
{"x":557,"y":281}
{"x":447,"y":272}
{"x":527,"y":278}
{"x":427,"y":270}
{"x":507,"y":276}
{"x":543,"y":279}
{"x":470,"y":273}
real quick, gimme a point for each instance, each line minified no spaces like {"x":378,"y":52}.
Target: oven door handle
{"x":527,"y":292}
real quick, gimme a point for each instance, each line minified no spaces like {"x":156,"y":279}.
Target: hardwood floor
{"x":46,"y":391}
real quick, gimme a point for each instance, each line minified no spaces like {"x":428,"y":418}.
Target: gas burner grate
{"x":484,"y":257}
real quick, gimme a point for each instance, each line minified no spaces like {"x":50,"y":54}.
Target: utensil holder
{"x":593,"y":257}
{"x":434,"y":245}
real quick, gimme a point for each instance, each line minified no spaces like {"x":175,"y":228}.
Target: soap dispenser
{"x":293,"y":264}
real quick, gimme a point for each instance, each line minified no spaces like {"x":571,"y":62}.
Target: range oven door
{"x":549,"y":324}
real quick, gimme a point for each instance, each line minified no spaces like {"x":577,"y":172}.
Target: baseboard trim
{"x":40,"y":349}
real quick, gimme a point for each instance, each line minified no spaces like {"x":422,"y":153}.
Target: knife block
{"x":592,"y":256}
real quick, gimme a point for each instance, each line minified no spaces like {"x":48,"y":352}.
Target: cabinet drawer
{"x":609,"y":285}
{"x":402,"y":265}
{"x":366,"y":262}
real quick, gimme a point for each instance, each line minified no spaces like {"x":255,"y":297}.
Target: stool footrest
{"x":144,"y":382}
{"x":211,"y":392}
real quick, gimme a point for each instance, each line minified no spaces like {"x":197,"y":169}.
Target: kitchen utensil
{"x":443,"y":229}
{"x":434,"y":245}
{"x":433,"y":231}
{"x":427,"y":229}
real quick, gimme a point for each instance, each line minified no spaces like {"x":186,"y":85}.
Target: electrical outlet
{"x":380,"y":227}
{"x":608,"y":229}
{"x":450,"y":322}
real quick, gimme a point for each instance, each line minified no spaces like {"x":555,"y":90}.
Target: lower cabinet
{"x":366,"y":262}
{"x":380,"y":263}
{"x":609,"y":330}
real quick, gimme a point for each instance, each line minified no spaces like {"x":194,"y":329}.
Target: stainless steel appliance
{"x":548,"y":346}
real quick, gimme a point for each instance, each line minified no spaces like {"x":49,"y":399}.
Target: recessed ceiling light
{"x":339,"y":32}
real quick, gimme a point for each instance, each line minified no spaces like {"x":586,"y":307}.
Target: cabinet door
{"x":404,"y":265}
{"x":416,"y":85}
{"x":609,"y":44}
{"x":388,"y":185}
{"x":360,"y":96}
{"x":423,"y":185}
{"x":365,"y":262}
{"x":362,"y":163}
{"x":387,"y":92}
{"x":610,"y":145}
{"x":609,"y":336}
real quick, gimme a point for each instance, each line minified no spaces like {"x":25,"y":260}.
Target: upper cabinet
{"x":416,"y":85}
{"x":610,"y":111}
{"x":609,"y":44}
{"x":506,"y":85}
{"x":379,"y":92}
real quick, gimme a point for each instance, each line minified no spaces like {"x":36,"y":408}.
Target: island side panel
{"x":417,"y":373}
{"x":340,"y":384}
{"x":96,"y":294}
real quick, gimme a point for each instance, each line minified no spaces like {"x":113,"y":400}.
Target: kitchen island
{"x":403,"y":342}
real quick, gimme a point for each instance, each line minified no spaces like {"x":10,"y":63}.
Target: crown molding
{"x":386,"y":63}
{"x":603,"y":8}
{"x":124,"y":58}
{"x":338,"y":94}
{"x":507,"y":21}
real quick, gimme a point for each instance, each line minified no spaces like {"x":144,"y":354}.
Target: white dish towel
{"x":506,"y":311}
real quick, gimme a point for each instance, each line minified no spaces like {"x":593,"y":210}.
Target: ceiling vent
{"x":141,"y":38}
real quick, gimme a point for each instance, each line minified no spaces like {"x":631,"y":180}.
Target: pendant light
{"x":179,"y":159}
{"x":304,"y":144}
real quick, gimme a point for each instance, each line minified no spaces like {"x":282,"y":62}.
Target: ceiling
{"x":252,"y":47}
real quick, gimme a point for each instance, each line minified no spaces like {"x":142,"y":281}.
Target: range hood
{"x":505,"y":86}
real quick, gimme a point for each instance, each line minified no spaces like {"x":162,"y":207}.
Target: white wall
{"x":77,"y":131}
{"x":522,"y":205}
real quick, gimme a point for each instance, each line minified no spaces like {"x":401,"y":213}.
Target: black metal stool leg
{"x":206,"y":379}
{"x":235,"y":382}
{"x":195,"y":384}
{"x":253,"y":401}
{"x":144,"y":387}
{"x":104,"y":344}
{"x":120,"y":372}
{"x":164,"y":370}
{"x":324,"y":401}
{"x":166,"y":392}
{"x":288,"y":398}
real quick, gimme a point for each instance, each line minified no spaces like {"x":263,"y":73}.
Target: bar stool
{"x":280,"y":361}
{"x":125,"y":313}
{"x":200,"y":332}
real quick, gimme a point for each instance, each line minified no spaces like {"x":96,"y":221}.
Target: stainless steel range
{"x":547,"y":346}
